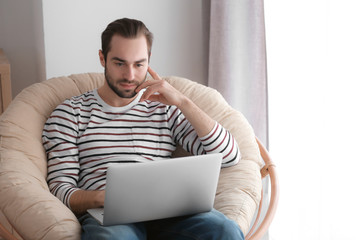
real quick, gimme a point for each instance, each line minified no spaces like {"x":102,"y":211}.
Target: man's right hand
{"x":82,"y":200}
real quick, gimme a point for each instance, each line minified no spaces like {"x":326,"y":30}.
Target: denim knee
{"x":231,"y":230}
{"x":224,"y":228}
{"x":91,"y":229}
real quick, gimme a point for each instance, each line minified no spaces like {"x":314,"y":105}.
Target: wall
{"x":66,"y":35}
{"x":21,"y":38}
{"x":73,"y":29}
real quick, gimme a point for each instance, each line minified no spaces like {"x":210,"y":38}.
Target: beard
{"x":123,"y":93}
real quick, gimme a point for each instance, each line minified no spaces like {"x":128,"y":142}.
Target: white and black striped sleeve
{"x":60,"y":142}
{"x":219,"y":140}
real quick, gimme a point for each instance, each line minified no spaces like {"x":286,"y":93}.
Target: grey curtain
{"x":237,"y":60}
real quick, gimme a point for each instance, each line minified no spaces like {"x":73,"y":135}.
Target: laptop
{"x":161,"y":189}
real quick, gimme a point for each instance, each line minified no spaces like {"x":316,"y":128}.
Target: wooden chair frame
{"x":269,"y":169}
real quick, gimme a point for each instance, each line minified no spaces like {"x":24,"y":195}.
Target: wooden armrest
{"x":268,"y":169}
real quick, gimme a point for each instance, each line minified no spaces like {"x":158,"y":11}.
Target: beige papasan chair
{"x":29,"y":211}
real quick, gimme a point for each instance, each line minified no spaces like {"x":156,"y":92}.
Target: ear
{"x":102,"y":58}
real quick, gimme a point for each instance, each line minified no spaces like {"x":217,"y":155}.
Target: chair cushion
{"x":24,"y":194}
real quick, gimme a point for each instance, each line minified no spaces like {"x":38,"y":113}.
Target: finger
{"x":153,"y":74}
{"x":153,"y":97}
{"x":152,"y":90}
{"x":145,"y":85}
{"x":149,"y":82}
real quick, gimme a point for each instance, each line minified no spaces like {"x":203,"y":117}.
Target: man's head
{"x":127,"y":28}
{"x":125,"y":54}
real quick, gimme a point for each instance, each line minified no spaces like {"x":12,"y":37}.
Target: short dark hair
{"x":127,"y":28}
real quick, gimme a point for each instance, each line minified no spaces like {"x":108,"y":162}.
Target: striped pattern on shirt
{"x":84,"y":135}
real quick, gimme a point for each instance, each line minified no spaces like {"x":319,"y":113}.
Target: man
{"x":127,"y":120}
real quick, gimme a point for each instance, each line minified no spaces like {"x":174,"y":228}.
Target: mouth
{"x":128,"y":85}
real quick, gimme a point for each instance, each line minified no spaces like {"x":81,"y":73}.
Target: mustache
{"x":128,"y":81}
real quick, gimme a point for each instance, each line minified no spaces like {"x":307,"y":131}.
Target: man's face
{"x":126,"y":65}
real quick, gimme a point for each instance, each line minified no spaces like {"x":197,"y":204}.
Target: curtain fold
{"x":237,"y":58}
{"x":237,"y":62}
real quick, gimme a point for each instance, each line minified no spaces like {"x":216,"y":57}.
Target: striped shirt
{"x":84,"y":136}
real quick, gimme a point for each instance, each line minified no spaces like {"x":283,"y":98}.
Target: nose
{"x":129,"y":73}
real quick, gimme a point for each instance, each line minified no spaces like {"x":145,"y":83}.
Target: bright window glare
{"x":313,"y":52}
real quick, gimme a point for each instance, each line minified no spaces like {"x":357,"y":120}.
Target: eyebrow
{"x":125,"y":61}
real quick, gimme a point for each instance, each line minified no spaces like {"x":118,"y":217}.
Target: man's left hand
{"x":160,"y":90}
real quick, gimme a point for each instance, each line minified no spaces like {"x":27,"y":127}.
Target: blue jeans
{"x":209,"y":225}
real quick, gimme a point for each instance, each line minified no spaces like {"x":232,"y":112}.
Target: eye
{"x":119,"y":64}
{"x":139,"y":65}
